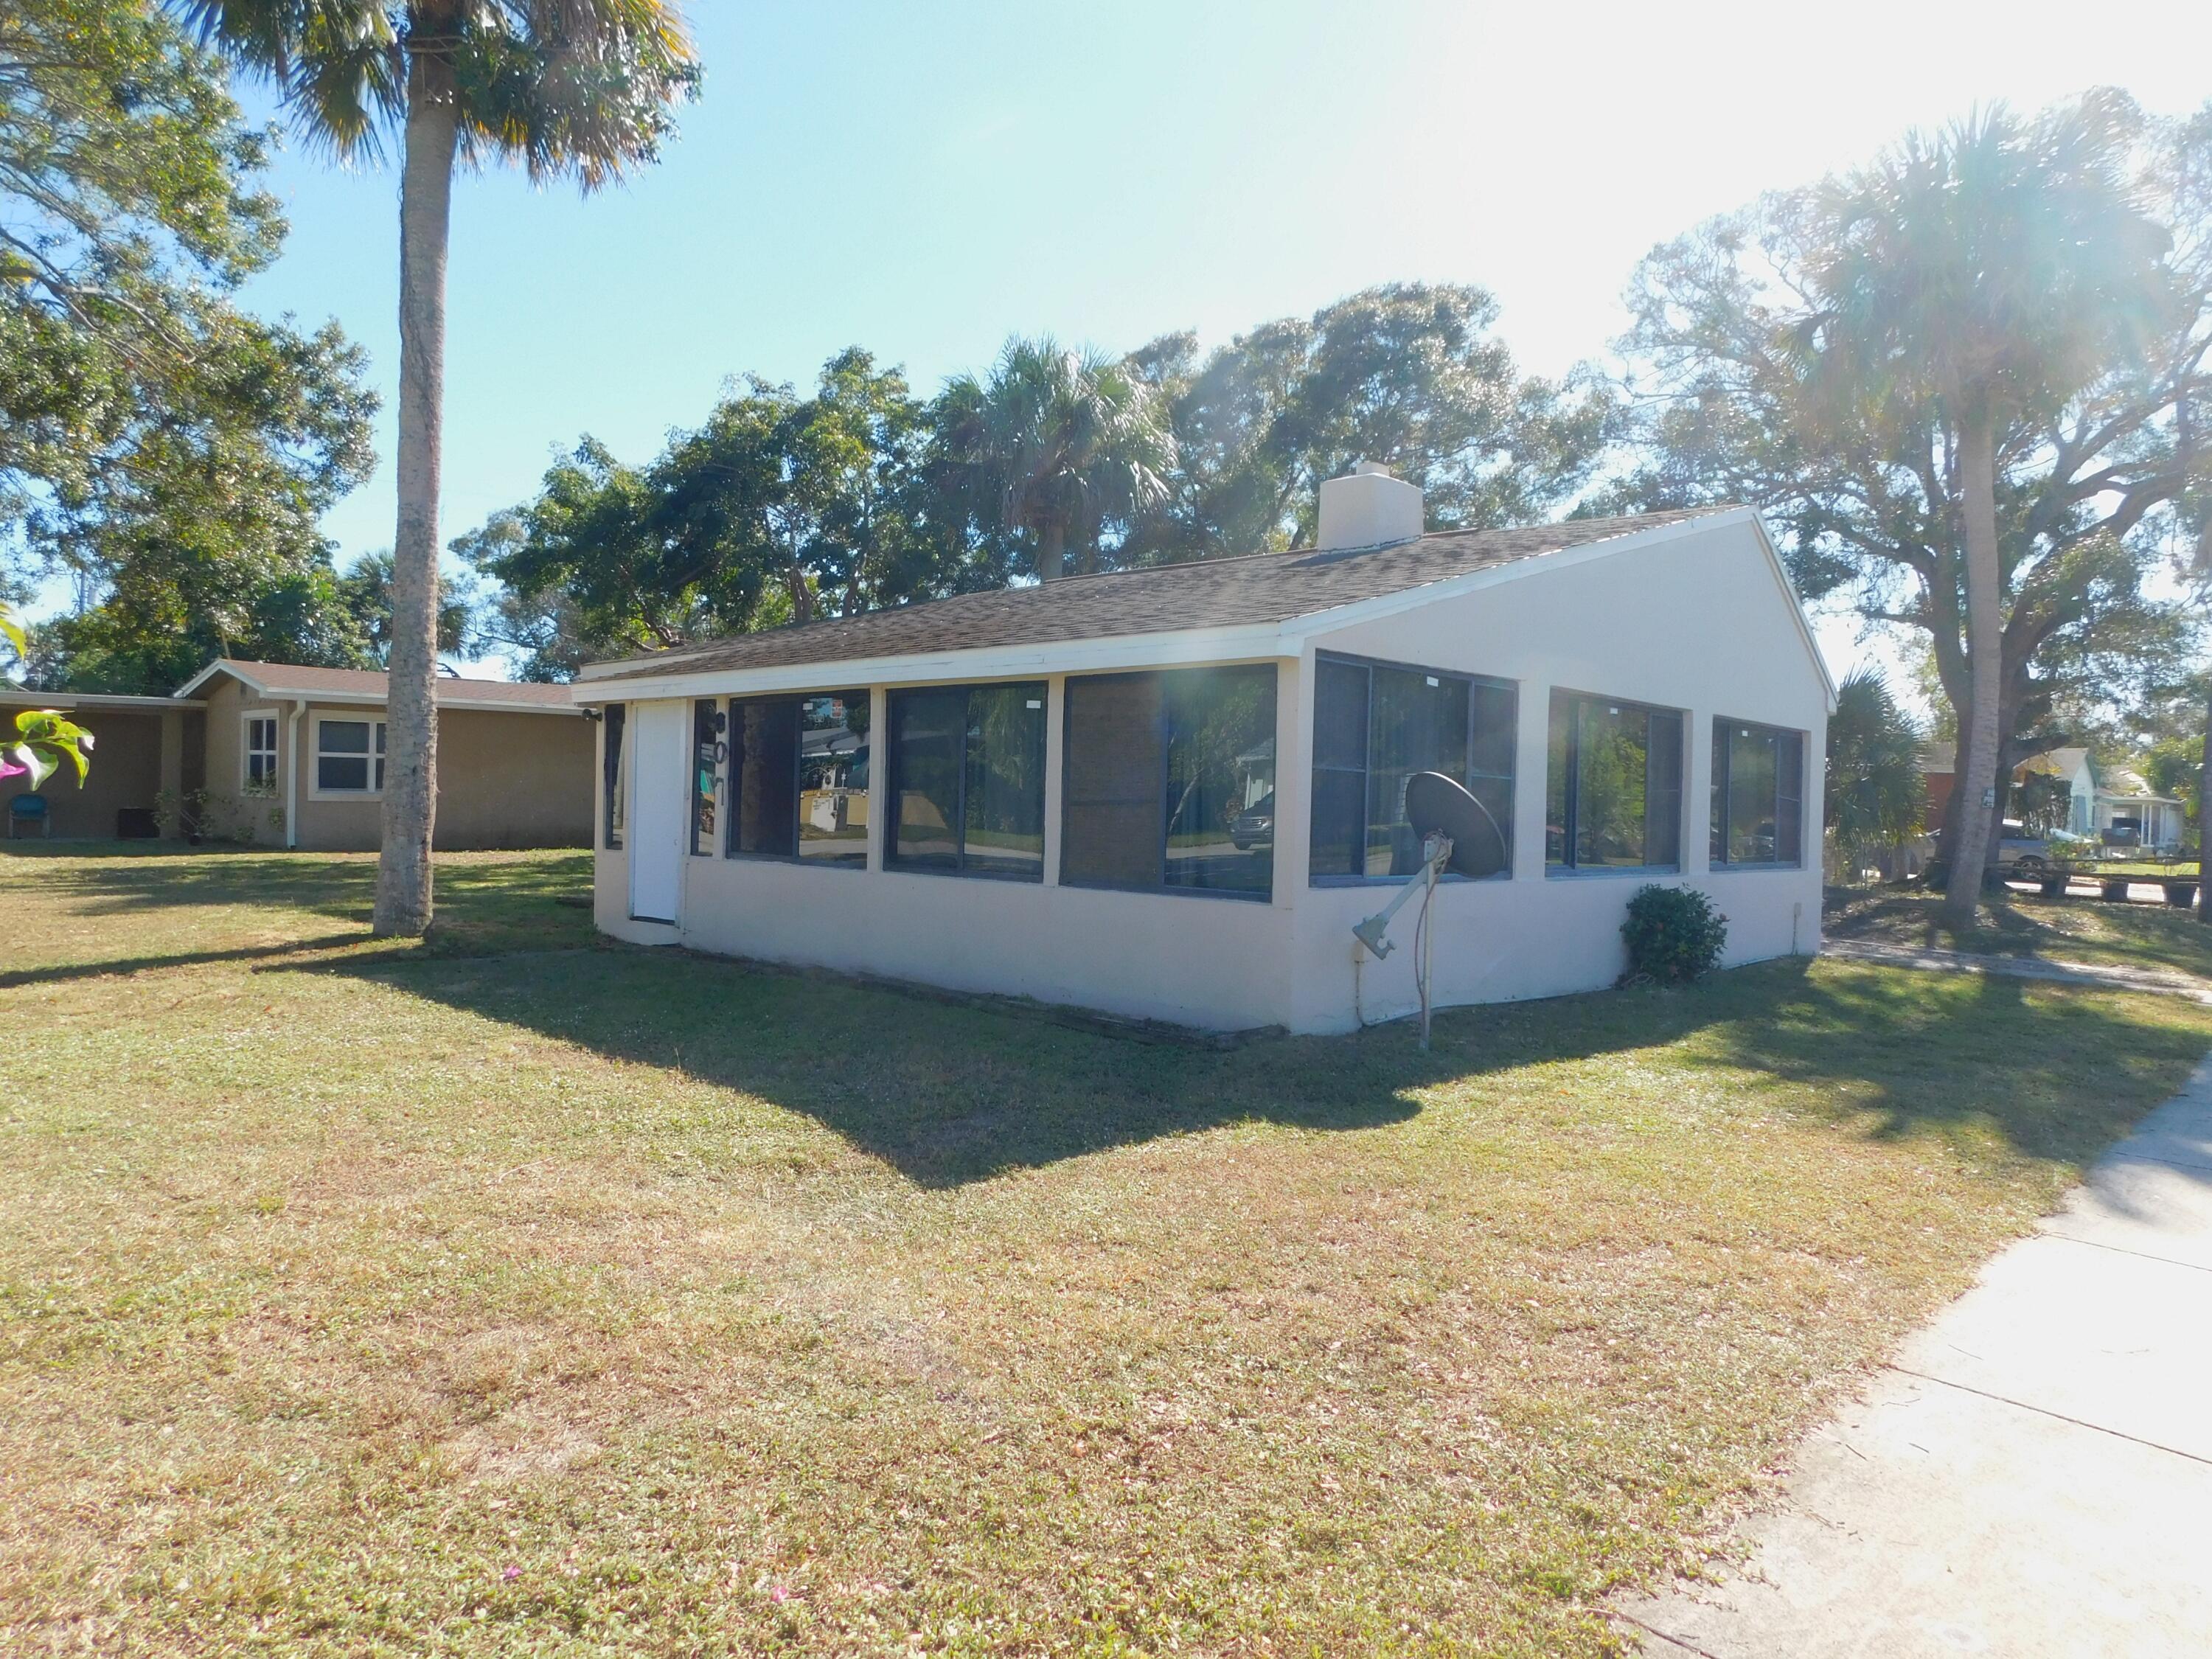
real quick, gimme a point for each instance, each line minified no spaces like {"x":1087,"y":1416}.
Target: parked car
{"x":2019,"y":854}
{"x":1255,"y":825}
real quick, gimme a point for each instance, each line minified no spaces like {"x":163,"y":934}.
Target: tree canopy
{"x":1410,"y":374}
{"x":172,"y":452}
{"x":2090,"y":362}
{"x":779,"y":508}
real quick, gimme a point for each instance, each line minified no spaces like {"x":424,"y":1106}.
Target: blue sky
{"x":924,"y":181}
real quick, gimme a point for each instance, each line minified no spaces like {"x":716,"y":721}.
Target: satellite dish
{"x":1438,"y":805}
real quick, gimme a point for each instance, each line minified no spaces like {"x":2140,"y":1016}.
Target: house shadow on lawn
{"x":949,"y":1094}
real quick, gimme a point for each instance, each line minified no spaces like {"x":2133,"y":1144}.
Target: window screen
{"x":1116,"y":776}
{"x":764,"y":759}
{"x":967,"y":780}
{"x":614,"y":765}
{"x":1758,"y":794}
{"x":1614,"y":793}
{"x":1377,"y":724}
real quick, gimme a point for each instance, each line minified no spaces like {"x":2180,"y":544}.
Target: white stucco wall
{"x":1697,"y":622}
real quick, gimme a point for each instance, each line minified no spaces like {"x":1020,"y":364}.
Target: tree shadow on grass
{"x":949,"y":1094}
{"x":494,"y":903}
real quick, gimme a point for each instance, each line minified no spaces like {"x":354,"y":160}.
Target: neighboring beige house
{"x":1171,"y":792}
{"x":290,"y":757}
{"x":295,"y":757}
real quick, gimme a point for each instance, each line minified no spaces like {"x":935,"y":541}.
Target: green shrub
{"x":1674,"y":935}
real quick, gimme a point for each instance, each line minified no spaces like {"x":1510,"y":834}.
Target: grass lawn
{"x":522,"y":1293}
{"x":2083,"y":929}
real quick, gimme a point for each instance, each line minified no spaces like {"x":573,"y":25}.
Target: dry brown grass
{"x":522,"y":1295}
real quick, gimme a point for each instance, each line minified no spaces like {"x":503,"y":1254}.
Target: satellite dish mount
{"x":1457,"y":834}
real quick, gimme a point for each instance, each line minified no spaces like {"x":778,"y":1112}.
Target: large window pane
{"x":1003,"y":814}
{"x":1612,"y":762}
{"x":763,"y":777}
{"x":1759,"y":809}
{"x":1220,"y":796}
{"x":1613,"y":790}
{"x":928,"y":732}
{"x":1789,"y":798}
{"x":968,"y":779}
{"x":342,"y":756}
{"x":1662,"y":809}
{"x":833,"y":778}
{"x":706,"y":772}
{"x":1416,"y":722}
{"x":1375,"y":726}
{"x":1116,"y":767}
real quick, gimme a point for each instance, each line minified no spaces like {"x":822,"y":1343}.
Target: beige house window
{"x":348,"y":756}
{"x":258,"y":776}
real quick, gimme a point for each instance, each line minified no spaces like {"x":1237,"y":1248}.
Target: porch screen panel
{"x":1115,"y":773}
{"x":764,"y":743}
{"x":928,"y":740}
{"x":1339,"y":844}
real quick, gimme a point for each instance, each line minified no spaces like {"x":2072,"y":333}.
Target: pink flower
{"x":778,"y":1593}
{"x":511,"y":1575}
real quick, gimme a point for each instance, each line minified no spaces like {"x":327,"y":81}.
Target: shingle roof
{"x":1262,"y":587}
{"x":283,"y":679}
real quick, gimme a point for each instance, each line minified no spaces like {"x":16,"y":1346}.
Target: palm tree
{"x":1071,"y":440}
{"x":1875,"y":794}
{"x":2001,"y":265}
{"x":575,"y":87}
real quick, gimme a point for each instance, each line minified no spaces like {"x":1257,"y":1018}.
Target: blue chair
{"x":29,"y":808}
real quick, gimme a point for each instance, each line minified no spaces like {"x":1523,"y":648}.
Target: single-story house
{"x":1171,"y":792}
{"x":295,"y":757}
{"x":284,"y":756}
{"x":2108,"y":804}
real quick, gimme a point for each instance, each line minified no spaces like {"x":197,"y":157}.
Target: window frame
{"x":374,"y":755}
{"x":274,"y":783}
{"x":1571,"y":871}
{"x":1721,"y":765}
{"x":614,"y":728}
{"x":1493,"y":682}
{"x":728,"y":774}
{"x":894,"y":761}
{"x":1160,"y":884}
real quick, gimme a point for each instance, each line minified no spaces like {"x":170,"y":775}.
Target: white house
{"x":2109,"y":802}
{"x":1171,"y":792}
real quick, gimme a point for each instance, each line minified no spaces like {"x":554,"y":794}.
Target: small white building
{"x":1171,"y":792}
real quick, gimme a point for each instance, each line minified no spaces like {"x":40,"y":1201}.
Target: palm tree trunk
{"x":1052,"y":550}
{"x":410,"y":779}
{"x":1977,"y":757}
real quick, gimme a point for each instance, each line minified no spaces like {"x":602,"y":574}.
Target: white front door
{"x":660,"y":781}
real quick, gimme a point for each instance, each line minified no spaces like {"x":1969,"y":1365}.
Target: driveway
{"x":2032,"y":1475}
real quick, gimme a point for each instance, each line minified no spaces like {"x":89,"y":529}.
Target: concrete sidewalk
{"x":2032,"y":1475}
